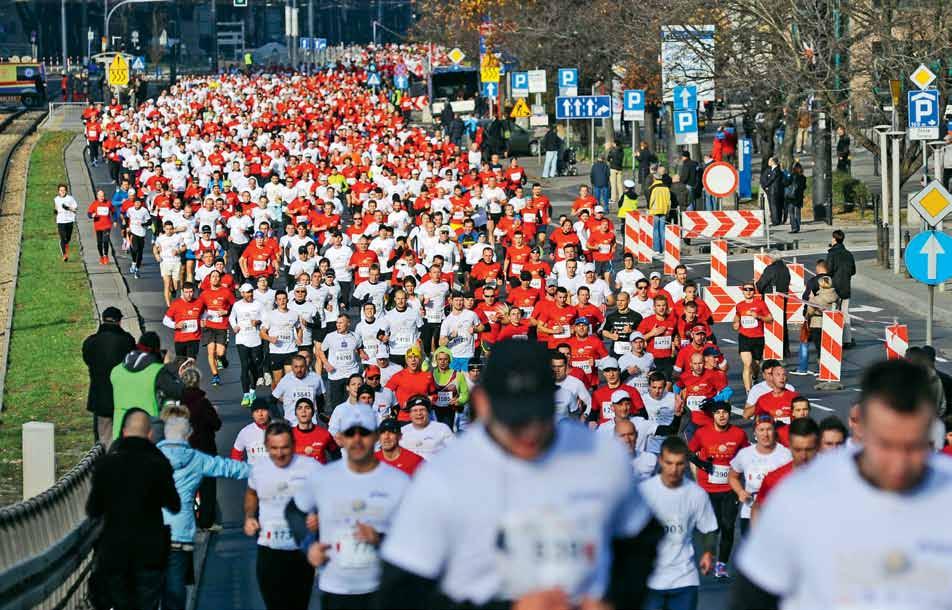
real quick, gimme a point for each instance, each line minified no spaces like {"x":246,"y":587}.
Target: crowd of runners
{"x":404,"y":309}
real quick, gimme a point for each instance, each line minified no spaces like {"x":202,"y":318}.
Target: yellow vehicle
{"x":22,"y":82}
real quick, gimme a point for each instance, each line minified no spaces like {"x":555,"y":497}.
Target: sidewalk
{"x":905,"y":292}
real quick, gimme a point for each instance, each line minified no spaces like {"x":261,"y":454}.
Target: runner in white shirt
{"x":637,"y":364}
{"x":876,"y":520}
{"x":518,"y":518}
{"x":246,"y":316}
{"x":405,"y":325}
{"x":282,"y":329}
{"x":387,"y":368}
{"x":285,"y":578}
{"x":682,"y":507}
{"x":301,"y":383}
{"x":340,"y":354}
{"x":572,"y":398}
{"x":249,"y":443}
{"x":370,"y":329}
{"x":354,"y":500}
{"x":168,"y":249}
{"x":65,"y":207}
{"x":753,"y":463}
{"x":660,"y":406}
{"x":640,"y":302}
{"x":424,"y":436}
{"x":676,"y":286}
{"x":458,"y":332}
{"x":627,"y":277}
{"x":138,"y":219}
{"x":643,"y":463}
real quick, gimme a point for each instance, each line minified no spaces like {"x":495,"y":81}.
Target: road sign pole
{"x":634,"y":147}
{"x":895,"y":201}
{"x":930,"y":317}
{"x":591,"y":156}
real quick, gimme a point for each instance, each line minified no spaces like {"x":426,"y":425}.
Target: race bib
{"x":604,"y":248}
{"x":102,"y":210}
{"x":662,"y":342}
{"x":363,"y":271}
{"x":694,"y":402}
{"x":353,"y":554}
{"x":585,"y":365}
{"x":443,"y":398}
{"x":536,"y":282}
{"x":401,"y":340}
{"x":563,"y":332}
{"x":214,"y":317}
{"x":301,"y":219}
{"x":189,"y":326}
{"x":515,"y":268}
{"x":529,"y":218}
{"x":275,"y":532}
{"x":622,"y":347}
{"x":608,"y":410}
{"x":719,"y":475}
{"x":343,"y":358}
{"x":259,"y":265}
{"x":515,"y":176}
{"x":135,"y":223}
{"x":748,"y":322}
{"x":285,"y":336}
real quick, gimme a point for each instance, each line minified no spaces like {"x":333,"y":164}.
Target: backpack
{"x":790,"y":190}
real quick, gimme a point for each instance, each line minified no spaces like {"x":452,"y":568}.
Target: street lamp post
{"x":109,"y":12}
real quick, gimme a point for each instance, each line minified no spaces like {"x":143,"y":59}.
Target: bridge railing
{"x":46,"y":544}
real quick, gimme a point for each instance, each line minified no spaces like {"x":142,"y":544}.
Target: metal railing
{"x":67,"y":116}
{"x":46,"y":544}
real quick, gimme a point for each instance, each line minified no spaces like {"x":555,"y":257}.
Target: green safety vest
{"x":248,"y":59}
{"x":133,"y":389}
{"x":628,"y":204}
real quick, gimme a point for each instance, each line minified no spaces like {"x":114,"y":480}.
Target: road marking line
{"x":726,"y":340}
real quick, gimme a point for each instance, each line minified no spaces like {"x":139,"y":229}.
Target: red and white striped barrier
{"x":897,"y":341}
{"x":632,"y":233}
{"x":672,"y":248}
{"x":797,"y":286}
{"x":719,"y":262}
{"x":773,"y":330}
{"x":733,"y":223}
{"x":761,"y":261}
{"x":831,"y":346}
{"x":646,"y":252}
{"x":722,"y":301}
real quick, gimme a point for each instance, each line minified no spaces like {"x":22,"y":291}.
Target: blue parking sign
{"x":634,"y":105}
{"x":923,"y":114}
{"x":520,"y":84}
{"x":685,"y":127}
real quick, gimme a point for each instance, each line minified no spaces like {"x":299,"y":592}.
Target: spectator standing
{"x":204,"y":422}
{"x":141,"y":380}
{"x":551,"y":144}
{"x":843,"y":161}
{"x":793,"y":196}
{"x":690,"y":174}
{"x":131,"y":485}
{"x":600,"y":176}
{"x":616,"y":166}
{"x":659,"y":204}
{"x":102,"y":351}
{"x":771,"y":183}
{"x":646,"y":159}
{"x":842,"y":268}
{"x":776,"y":278}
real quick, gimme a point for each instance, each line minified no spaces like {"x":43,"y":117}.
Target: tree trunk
{"x":650,"y":130}
{"x":766,"y":131}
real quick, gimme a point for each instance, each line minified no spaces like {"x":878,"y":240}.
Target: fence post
{"x":39,"y":458}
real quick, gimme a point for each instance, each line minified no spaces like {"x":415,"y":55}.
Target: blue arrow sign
{"x":373,"y":79}
{"x":929,"y":257}
{"x":685,"y":97}
{"x":490,"y":89}
{"x":321,"y":44}
{"x":923,"y":114}
{"x":520,"y":84}
{"x":401,"y":81}
{"x":583,"y":107}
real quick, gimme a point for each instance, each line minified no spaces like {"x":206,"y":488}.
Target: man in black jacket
{"x":842,"y":268}
{"x":646,"y":159}
{"x":690,"y":174}
{"x":616,"y":165}
{"x":101,"y":352}
{"x":600,"y":176}
{"x":551,"y":144}
{"x":776,"y":278}
{"x":771,"y":182}
{"x":131,"y":485}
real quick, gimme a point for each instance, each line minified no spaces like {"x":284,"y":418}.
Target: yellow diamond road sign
{"x":922,"y":77}
{"x":456,"y":56}
{"x":520,"y":110}
{"x":118,"y":72}
{"x":933,"y":203}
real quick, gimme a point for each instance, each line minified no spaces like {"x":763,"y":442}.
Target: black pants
{"x":93,"y":150}
{"x":335,"y":601}
{"x":114,"y":170}
{"x":128,"y":587}
{"x":102,"y":243}
{"x":208,"y":492}
{"x":234,"y":253}
{"x":336,"y":393}
{"x":446,"y":416}
{"x":725,"y":509}
{"x":430,"y":336}
{"x":136,"y":248}
{"x":250,"y":358}
{"x":65,"y":230}
{"x":776,"y":212}
{"x":285,"y":579}
{"x":345,"y":291}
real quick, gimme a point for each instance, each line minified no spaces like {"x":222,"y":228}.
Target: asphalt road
{"x":229,"y":577}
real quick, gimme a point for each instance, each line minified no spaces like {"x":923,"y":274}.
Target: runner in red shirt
{"x":100,"y":211}
{"x":410,"y":382}
{"x":260,"y":258}
{"x":659,"y":331}
{"x":391,"y":453}
{"x":776,"y":403}
{"x":522,"y":295}
{"x":584,"y":201}
{"x":553,"y":320}
{"x":310,"y":439}
{"x":749,"y":318}
{"x":184,"y":315}
{"x":218,"y":301}
{"x":517,"y":255}
{"x":361,"y":260}
{"x":655,"y":289}
{"x":563,"y":238}
{"x":516,"y":327}
{"x":602,"y":404}
{"x":799,"y":407}
{"x":695,"y":386}
{"x":804,"y":444}
{"x":715,"y":446}
{"x":586,"y":350}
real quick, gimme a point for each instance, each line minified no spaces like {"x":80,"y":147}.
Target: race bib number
{"x":285,"y":336}
{"x":748,"y":322}
{"x":529,"y":218}
{"x":353,"y":554}
{"x":515,"y":268}
{"x":719,"y":475}
{"x":694,"y":402}
{"x":275,"y":532}
{"x":363,"y":271}
{"x":301,"y":219}
{"x":563,"y":332}
{"x":259,"y":265}
{"x":662,"y":342}
{"x":622,"y":347}
{"x":608,"y":410}
{"x":604,"y":248}
{"x":401,"y":340}
{"x":535,"y":282}
{"x":343,"y":358}
{"x":585,"y":365}
{"x":443,"y":398}
{"x":516,"y":176}
{"x":189,"y":326}
{"x":102,"y":210}
{"x":214,"y":317}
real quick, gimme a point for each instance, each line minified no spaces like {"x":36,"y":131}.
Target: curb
{"x":913,"y":297}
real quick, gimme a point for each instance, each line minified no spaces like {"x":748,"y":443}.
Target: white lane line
{"x":940,"y":359}
{"x":726,"y":340}
{"x":813,"y":403}
{"x":737,"y":411}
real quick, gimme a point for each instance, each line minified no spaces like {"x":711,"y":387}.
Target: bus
{"x":19,"y":80}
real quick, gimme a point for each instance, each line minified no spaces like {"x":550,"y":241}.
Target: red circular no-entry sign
{"x":720,"y":179}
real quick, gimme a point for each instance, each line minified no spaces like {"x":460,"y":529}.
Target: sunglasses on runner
{"x":356,"y":430}
{"x":748,"y":289}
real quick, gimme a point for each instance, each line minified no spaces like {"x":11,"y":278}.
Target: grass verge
{"x":53,"y":313}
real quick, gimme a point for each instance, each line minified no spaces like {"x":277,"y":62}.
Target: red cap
{"x":373,"y":369}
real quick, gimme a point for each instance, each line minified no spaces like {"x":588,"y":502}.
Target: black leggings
{"x":725,"y":509}
{"x":430,"y":335}
{"x":102,"y":243}
{"x":136,"y":248}
{"x":336,"y":601}
{"x":250,"y":358}
{"x":285,"y":579}
{"x":65,"y":230}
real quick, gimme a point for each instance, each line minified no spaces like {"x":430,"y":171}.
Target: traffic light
{"x":240,"y":3}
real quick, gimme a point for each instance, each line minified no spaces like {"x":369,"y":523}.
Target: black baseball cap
{"x":518,"y":379}
{"x":260,"y":403}
{"x":418,"y":400}
{"x":390,"y":425}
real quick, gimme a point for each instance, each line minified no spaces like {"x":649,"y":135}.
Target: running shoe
{"x":223,"y":362}
{"x":720,"y":570}
{"x":216,"y":380}
{"x":267,"y":379}
{"x":246,"y":399}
